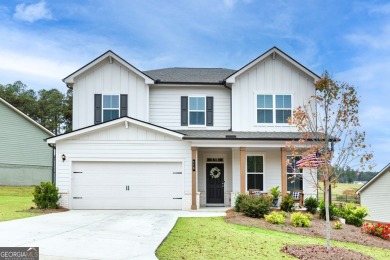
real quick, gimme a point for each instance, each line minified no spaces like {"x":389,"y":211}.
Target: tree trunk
{"x":328,"y":246}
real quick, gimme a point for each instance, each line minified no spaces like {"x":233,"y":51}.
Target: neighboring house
{"x":180,"y":138}
{"x":374,"y":195}
{"x":25,"y":158}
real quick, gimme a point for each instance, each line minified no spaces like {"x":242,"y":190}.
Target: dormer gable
{"x":109,"y":56}
{"x":271,"y":52}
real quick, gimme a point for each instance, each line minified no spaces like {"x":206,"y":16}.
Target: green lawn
{"x":14,"y":200}
{"x":213,"y":238}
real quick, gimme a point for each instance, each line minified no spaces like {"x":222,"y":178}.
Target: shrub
{"x":333,"y":211}
{"x":255,"y":207}
{"x":276,"y":217}
{"x":311,"y":205}
{"x":287,"y":203}
{"x":238,"y":202}
{"x":377,"y":229}
{"x":338,"y":225}
{"x":309,"y":216}
{"x":300,"y":220}
{"x":46,"y":196}
{"x":353,"y":214}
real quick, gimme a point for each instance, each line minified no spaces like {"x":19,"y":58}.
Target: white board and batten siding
{"x":111,"y":79}
{"x":123,"y":150}
{"x":165,"y":106}
{"x":269,"y":76}
{"x":376,"y":198}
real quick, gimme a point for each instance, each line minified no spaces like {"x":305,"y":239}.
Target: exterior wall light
{"x":63,"y":157}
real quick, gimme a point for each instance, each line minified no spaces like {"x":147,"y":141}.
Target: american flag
{"x":311,"y":160}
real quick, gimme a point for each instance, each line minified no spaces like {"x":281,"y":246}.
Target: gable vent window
{"x":109,"y":107}
{"x":273,"y":109}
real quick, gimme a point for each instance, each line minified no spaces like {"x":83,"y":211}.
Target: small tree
{"x":331,"y":140}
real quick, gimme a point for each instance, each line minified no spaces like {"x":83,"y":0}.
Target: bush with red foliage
{"x":377,"y":229}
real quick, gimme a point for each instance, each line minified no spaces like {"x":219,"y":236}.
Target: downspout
{"x":53,"y":164}
{"x":231,"y":104}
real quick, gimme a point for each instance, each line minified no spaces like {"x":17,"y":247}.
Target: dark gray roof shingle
{"x":190,"y":75}
{"x":222,"y":134}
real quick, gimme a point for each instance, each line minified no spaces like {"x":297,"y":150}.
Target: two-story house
{"x":180,"y":138}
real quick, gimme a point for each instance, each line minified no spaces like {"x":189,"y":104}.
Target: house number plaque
{"x":193,"y":165}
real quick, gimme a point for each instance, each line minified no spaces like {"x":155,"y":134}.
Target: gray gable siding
{"x":23,"y":152}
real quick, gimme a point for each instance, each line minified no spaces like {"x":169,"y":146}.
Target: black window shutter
{"x":184,"y":110}
{"x":98,"y":108}
{"x":123,"y":105}
{"x":209,"y":111}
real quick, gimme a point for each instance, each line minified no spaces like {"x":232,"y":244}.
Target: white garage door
{"x":127,"y":185}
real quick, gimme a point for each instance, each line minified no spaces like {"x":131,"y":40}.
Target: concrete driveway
{"x":95,"y":234}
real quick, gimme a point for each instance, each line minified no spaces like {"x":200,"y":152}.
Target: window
{"x":110,"y":107}
{"x":264,"y":109}
{"x":273,"y":108}
{"x":255,"y":170}
{"x":197,"y":110}
{"x":294,"y":174}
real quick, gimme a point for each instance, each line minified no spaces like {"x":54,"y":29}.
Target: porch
{"x":219,"y":173}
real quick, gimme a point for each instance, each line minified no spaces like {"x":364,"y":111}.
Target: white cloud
{"x":229,"y":3}
{"x":379,"y":9}
{"x":33,"y":12}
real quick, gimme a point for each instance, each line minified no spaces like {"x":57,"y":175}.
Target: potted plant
{"x":275,"y":192}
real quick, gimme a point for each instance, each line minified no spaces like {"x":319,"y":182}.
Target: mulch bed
{"x":45,"y":211}
{"x":319,"y":252}
{"x":348,"y":233}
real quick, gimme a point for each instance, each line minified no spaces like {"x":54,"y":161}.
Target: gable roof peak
{"x":69,"y":80}
{"x":272,"y":51}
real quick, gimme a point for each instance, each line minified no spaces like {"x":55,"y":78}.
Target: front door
{"x":214,"y":183}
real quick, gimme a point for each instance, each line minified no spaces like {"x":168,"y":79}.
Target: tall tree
{"x":20,"y":97}
{"x":51,"y":108}
{"x":67,"y":111}
{"x":329,"y":123}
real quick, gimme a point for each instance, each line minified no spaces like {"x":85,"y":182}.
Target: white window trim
{"x":246,"y":169}
{"x":295,"y":173}
{"x":273,"y":108}
{"x":204,"y":111}
{"x":119,"y":105}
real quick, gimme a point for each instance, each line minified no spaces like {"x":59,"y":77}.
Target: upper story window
{"x":110,"y":107}
{"x":197,"y":111}
{"x":273,"y":109}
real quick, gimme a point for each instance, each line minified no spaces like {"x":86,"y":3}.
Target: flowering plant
{"x":377,"y":229}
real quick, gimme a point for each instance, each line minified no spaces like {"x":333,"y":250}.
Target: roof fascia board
{"x":26,"y":117}
{"x":93,"y":128}
{"x":384,"y":170}
{"x":70,"y":79}
{"x":232,"y":78}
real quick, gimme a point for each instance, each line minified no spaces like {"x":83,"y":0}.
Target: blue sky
{"x":44,"y":41}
